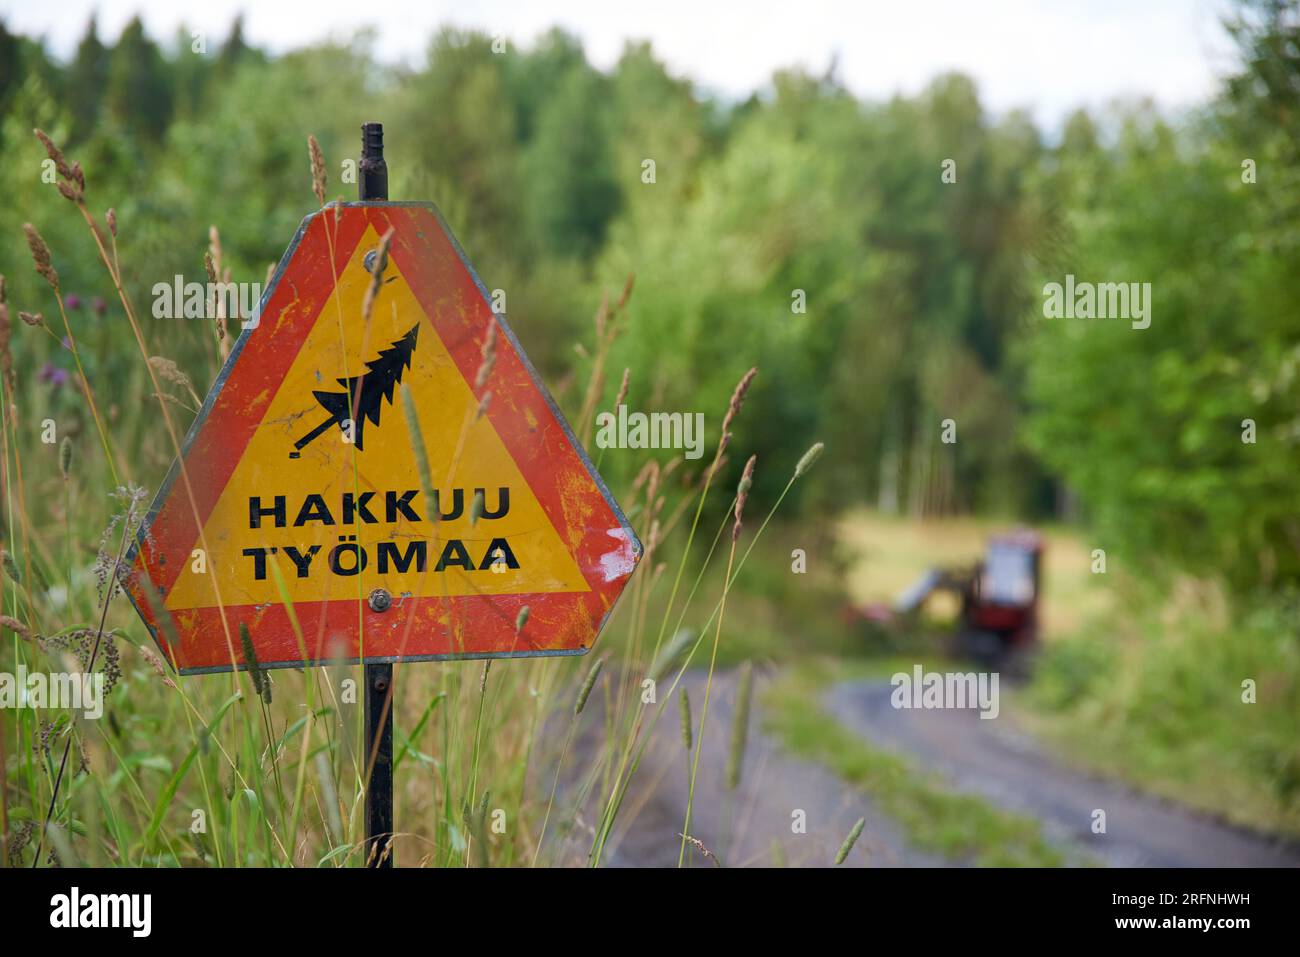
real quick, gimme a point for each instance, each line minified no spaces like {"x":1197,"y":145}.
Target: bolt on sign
{"x":297,"y":506}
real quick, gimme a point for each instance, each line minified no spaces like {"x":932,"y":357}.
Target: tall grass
{"x":1188,"y":694}
{"x":269,"y":770}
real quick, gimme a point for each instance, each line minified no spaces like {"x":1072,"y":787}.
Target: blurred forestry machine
{"x":998,"y":619}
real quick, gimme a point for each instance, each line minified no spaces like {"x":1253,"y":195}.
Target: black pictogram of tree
{"x":366,"y":393}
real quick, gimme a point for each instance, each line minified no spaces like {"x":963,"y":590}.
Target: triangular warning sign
{"x":298,"y":508}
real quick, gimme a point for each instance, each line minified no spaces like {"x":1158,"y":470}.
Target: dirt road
{"x":753,"y":826}
{"x":998,"y":761}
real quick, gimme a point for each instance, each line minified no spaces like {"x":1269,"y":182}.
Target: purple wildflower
{"x":54,"y":375}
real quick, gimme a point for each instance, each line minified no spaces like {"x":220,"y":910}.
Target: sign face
{"x":297,"y":508}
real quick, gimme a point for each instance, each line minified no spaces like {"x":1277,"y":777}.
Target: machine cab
{"x":1006,"y":594}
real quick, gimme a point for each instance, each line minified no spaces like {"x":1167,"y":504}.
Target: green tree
{"x":192,"y":71}
{"x":235,"y":50}
{"x":87,"y":79}
{"x":570,"y":193}
{"x":139,"y":94}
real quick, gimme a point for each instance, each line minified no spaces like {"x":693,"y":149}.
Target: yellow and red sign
{"x":297,"y":508}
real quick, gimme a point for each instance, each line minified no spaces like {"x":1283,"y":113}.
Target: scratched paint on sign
{"x":300,"y":480}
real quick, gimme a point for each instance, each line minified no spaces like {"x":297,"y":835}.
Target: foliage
{"x":1149,"y":426}
{"x":912,"y":285}
{"x":1184,"y":702}
{"x":923,"y":303}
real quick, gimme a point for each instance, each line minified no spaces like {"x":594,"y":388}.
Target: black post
{"x":379,"y":758}
{"x":373,"y":184}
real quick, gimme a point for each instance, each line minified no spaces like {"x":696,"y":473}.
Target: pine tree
{"x":191,"y":70}
{"x":88,"y":77}
{"x":139,"y":87}
{"x":234,"y":49}
{"x":365,"y":394}
{"x":10,"y":67}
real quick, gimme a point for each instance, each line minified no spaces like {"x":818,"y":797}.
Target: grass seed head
{"x":169,"y":371}
{"x":56,"y":154}
{"x":317,"y":169}
{"x":671,"y":652}
{"x":740,"y":726}
{"x":377,"y":275}
{"x":696,"y":843}
{"x":622,"y":389}
{"x":587,"y":685}
{"x":73,"y":188}
{"x":13,"y":624}
{"x":416,"y":436}
{"x":210,"y":267}
{"x":809,"y":457}
{"x":652,"y":482}
{"x":10,"y":567}
{"x":850,"y":840}
{"x":652,"y":540}
{"x":41,"y":256}
{"x":6,"y":333}
{"x":687,"y":737}
{"x":742,"y":495}
{"x":627,"y":290}
{"x":92,"y":647}
{"x":489,"y":354}
{"x":644,"y":474}
{"x":738,"y":398}
{"x":156,"y":662}
{"x":250,"y":659}
{"x":111,"y":218}
{"x":521,"y":619}
{"x":65,"y":458}
{"x":479,"y":826}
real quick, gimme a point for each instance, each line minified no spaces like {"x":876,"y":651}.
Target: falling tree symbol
{"x":366,"y":392}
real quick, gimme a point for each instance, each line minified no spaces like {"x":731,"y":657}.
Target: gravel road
{"x":1000,"y":762}
{"x":752,"y":826}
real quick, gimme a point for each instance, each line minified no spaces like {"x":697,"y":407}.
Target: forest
{"x":907,"y":276}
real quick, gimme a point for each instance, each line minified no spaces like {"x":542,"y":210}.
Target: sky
{"x":1049,"y":56}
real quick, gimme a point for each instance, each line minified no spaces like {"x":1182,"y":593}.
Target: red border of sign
{"x":547,"y":454}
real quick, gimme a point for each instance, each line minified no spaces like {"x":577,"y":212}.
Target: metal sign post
{"x":379,"y":761}
{"x":372,"y":183}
